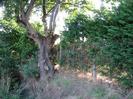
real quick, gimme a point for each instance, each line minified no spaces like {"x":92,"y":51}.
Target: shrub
{"x":5,"y":92}
{"x":30,"y":69}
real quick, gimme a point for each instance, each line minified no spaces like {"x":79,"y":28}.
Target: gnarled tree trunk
{"x":44,"y":63}
{"x":45,"y":43}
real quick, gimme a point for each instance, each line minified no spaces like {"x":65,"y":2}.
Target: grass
{"x":66,"y":86}
{"x":98,"y":92}
{"x":130,"y":95}
{"x":5,"y":92}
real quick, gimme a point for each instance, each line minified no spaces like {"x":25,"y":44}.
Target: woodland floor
{"x":76,"y":85}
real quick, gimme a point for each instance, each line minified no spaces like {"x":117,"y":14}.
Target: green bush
{"x":30,"y":69}
{"x":16,"y":50}
{"x":108,"y":37}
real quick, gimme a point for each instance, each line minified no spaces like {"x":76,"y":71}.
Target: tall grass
{"x":5,"y":92}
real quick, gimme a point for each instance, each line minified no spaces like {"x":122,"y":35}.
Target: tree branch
{"x":52,"y":9}
{"x":23,"y":18}
{"x":29,"y":9}
{"x":46,"y":13}
{"x":44,"y":17}
{"x":54,"y":13}
{"x":59,"y":2}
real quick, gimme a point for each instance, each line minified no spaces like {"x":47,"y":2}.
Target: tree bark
{"x":45,"y":66}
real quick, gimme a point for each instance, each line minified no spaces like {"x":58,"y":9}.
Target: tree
{"x":21,"y":10}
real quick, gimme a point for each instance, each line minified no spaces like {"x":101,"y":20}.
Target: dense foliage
{"x":108,"y":38}
{"x":16,"y":51}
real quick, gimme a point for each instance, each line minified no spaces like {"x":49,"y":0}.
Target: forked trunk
{"x":44,"y":63}
{"x":45,"y":66}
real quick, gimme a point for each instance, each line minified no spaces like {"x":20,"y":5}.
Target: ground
{"x":75,"y":85}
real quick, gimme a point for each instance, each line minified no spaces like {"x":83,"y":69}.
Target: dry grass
{"x":67,"y":85}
